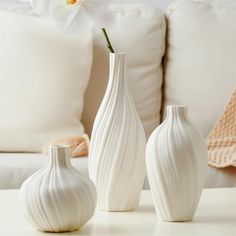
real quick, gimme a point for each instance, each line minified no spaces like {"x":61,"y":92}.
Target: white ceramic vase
{"x":176,"y":160}
{"x":57,"y":198}
{"x":117,"y":148}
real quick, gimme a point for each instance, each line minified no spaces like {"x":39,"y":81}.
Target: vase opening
{"x":59,"y":154}
{"x":117,"y":60}
{"x":177,"y":110}
{"x":60,"y":146}
{"x":117,"y":53}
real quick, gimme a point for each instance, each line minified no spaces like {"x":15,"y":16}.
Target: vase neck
{"x":177,"y":112}
{"x":59,"y":156}
{"x":117,"y":70}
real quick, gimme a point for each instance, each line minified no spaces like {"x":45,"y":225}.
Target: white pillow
{"x":139,"y":31}
{"x":201,"y":58}
{"x":19,"y":6}
{"x":43,"y":77}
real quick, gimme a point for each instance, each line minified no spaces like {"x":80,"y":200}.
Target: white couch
{"x":198,"y":90}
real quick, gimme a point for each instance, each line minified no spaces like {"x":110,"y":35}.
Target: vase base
{"x":59,"y":231}
{"x":176,"y":220}
{"x":113,"y":210}
{"x":116,"y":209}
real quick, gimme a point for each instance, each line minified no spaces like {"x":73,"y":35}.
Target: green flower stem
{"x":108,"y":41}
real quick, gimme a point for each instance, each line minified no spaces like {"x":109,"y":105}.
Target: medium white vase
{"x":117,"y":148}
{"x":57,"y":198}
{"x":176,"y":160}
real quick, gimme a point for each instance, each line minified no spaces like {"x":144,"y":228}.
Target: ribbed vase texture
{"x":117,"y":149}
{"x":176,"y":160}
{"x":57,"y":198}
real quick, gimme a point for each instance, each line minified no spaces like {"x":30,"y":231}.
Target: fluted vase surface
{"x":176,"y":160}
{"x":117,"y":150}
{"x":58,"y":198}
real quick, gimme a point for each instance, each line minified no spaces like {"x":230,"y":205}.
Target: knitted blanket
{"x":222,"y":139}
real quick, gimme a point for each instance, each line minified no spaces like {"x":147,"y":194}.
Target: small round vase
{"x":57,"y":198}
{"x":176,"y":160}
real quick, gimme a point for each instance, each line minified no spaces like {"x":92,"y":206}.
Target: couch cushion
{"x":17,"y":167}
{"x":200,"y":66}
{"x":43,"y":76}
{"x":220,"y":178}
{"x":139,"y":31}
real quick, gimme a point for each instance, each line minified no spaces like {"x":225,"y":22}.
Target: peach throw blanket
{"x":222,"y":139}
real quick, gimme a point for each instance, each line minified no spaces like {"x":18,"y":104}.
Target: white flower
{"x":70,"y":14}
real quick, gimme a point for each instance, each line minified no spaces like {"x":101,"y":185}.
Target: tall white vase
{"x":57,"y":198}
{"x":176,"y":160}
{"x":117,"y":149}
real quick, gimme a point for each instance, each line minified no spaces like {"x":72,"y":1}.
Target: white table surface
{"x":216,"y":215}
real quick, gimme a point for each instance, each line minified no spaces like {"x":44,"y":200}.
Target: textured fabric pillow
{"x":139,"y":31}
{"x":201,"y":58}
{"x":43,"y":77}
